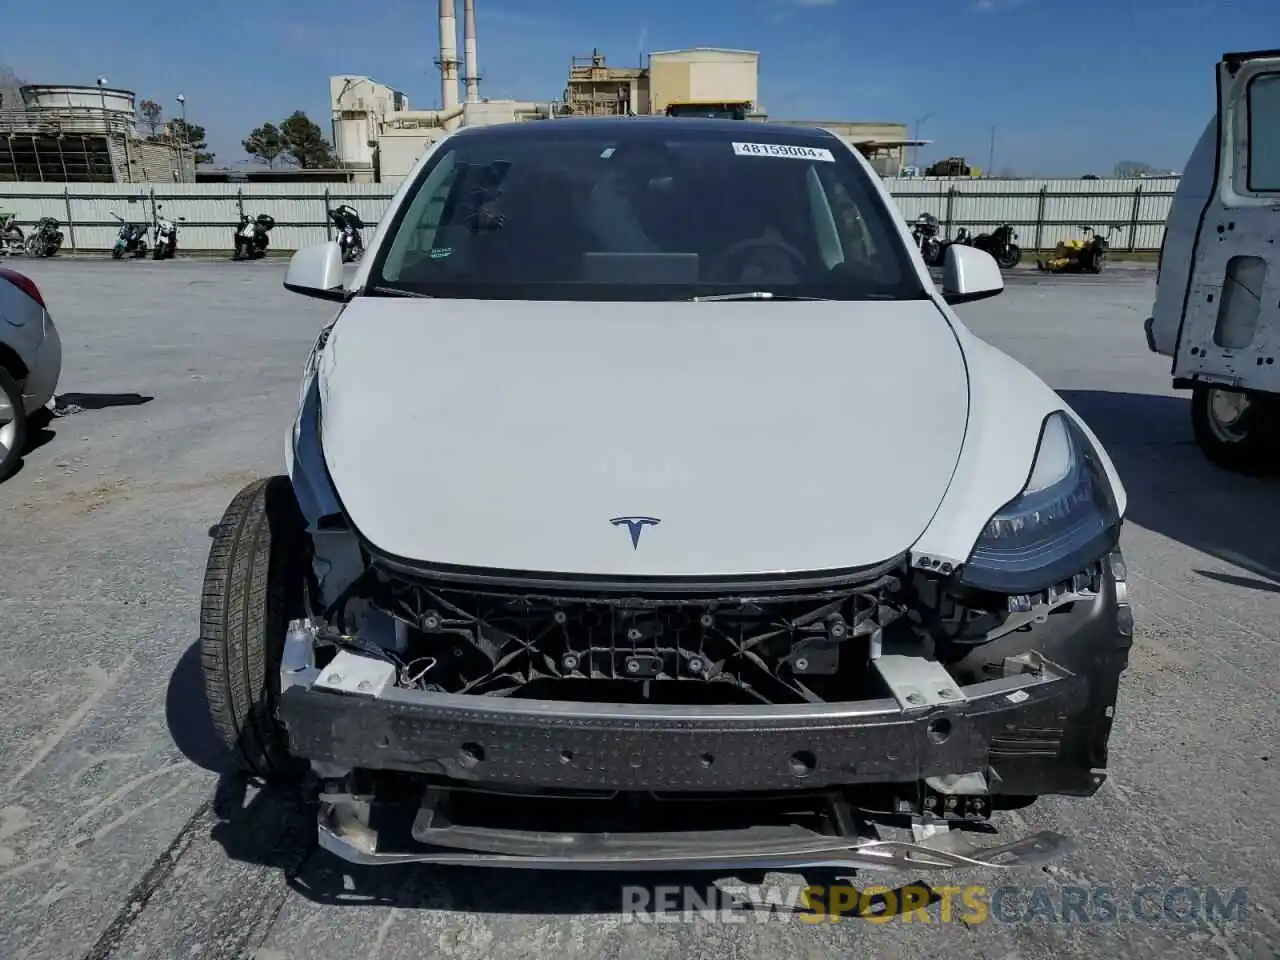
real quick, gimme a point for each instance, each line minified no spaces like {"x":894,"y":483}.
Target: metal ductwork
{"x":472,"y":75}
{"x":448,"y":59}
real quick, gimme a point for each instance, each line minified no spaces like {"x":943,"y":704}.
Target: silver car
{"x":30,"y":361}
{"x":648,"y":506}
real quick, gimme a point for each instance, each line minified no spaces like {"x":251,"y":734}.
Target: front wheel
{"x":117,"y":253}
{"x":13,"y":423}
{"x":1237,"y":431}
{"x":158,"y":253}
{"x":1011,"y":257}
{"x":254,"y":584}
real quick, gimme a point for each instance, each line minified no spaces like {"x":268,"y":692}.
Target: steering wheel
{"x":720,"y":266}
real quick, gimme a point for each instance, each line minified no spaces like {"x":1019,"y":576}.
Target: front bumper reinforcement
{"x":1021,"y":718}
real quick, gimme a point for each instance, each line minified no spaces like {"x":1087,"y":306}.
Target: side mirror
{"x":970,"y":274}
{"x":317,"y":272}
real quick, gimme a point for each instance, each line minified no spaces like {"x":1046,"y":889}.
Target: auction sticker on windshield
{"x":783,"y":150}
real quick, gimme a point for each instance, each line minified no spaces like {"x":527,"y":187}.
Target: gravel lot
{"x":186,"y":373}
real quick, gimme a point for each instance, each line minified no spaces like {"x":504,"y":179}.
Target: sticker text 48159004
{"x":785,"y":150}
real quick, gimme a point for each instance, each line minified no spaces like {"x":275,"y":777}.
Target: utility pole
{"x":915,"y":150}
{"x":991,"y":153}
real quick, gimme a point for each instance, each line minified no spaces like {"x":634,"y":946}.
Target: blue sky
{"x":1068,"y":93}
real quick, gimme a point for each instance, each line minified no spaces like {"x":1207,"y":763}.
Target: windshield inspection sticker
{"x":783,"y":150}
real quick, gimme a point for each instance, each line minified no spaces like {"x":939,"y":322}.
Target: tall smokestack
{"x":472,"y":75}
{"x":448,"y":61}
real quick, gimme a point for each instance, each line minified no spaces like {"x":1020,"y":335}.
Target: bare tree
{"x":152,"y":117}
{"x":1132,"y":168}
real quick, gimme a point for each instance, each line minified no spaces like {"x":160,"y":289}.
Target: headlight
{"x":1064,"y":519}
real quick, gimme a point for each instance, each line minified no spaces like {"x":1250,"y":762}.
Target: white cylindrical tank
{"x":46,"y":97}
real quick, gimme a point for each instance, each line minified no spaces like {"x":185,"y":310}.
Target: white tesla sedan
{"x":30,"y":361}
{"x":648,"y":506}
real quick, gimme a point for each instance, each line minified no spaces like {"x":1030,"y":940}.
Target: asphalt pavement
{"x":117,"y":839}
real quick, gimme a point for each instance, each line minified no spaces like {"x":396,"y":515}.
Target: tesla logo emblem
{"x":634,"y":525}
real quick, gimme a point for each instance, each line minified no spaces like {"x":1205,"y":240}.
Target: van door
{"x":1229,"y":323}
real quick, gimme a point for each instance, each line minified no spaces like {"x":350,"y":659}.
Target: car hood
{"x":760,"y":437}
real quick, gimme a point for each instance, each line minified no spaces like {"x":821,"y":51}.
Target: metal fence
{"x":1042,"y":211}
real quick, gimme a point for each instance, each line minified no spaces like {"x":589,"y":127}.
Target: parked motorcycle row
{"x":44,"y":240}
{"x":999,"y":242}
{"x":249,"y":240}
{"x":1087,"y":255}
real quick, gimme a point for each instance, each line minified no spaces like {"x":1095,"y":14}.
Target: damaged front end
{"x":462,"y":716}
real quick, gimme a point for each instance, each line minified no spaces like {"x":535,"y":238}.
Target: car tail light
{"x":23,"y":283}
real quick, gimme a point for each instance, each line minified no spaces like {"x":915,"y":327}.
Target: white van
{"x":1217,"y":307}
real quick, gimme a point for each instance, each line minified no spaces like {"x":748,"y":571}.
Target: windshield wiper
{"x":752,"y":295}
{"x":398,"y":292}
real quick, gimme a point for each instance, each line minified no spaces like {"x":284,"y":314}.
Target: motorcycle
{"x":45,"y":239}
{"x":924,"y":231}
{"x":166,"y":236}
{"x":251,"y":237}
{"x":347,"y":219}
{"x":11,"y":237}
{"x":1080,"y":256}
{"x":999,"y":243}
{"x":132,"y":238}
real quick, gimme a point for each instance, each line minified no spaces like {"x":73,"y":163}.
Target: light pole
{"x":102,"y":94}
{"x":991,"y":154}
{"x":186,"y":136}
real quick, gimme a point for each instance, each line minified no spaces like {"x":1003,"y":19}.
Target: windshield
{"x":579,"y":210}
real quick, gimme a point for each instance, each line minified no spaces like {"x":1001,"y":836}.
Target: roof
{"x":620,"y":126}
{"x":662,"y":53}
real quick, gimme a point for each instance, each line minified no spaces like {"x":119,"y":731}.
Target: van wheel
{"x":1237,"y":430}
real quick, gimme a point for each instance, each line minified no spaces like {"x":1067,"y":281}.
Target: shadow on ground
{"x":39,"y":429}
{"x":1176,"y":492}
{"x":186,"y":712}
{"x":68,"y":403}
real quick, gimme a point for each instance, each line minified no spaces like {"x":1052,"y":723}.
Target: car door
{"x":1228,"y":324}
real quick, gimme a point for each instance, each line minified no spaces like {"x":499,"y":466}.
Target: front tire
{"x":13,"y":423}
{"x":117,"y":253}
{"x":254,"y":584}
{"x":158,"y":253}
{"x":1237,"y":431}
{"x":1011,"y":257}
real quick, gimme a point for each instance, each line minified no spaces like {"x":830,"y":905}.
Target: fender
{"x":1007,"y":407}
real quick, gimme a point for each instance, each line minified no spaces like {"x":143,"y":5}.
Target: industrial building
{"x":710,"y":77}
{"x":378,"y":138}
{"x":70,"y":134}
